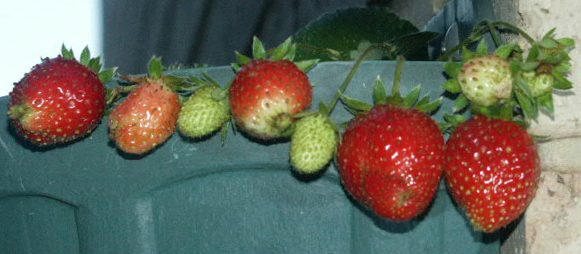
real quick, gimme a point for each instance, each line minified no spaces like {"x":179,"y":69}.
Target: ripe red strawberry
{"x":267,"y":93}
{"x":59,"y":100}
{"x":147,"y":117}
{"x":391,"y":160}
{"x":492,"y":170}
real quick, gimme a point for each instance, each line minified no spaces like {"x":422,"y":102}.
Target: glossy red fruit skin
{"x":145,"y":119}
{"x":492,"y":170}
{"x":59,"y":100}
{"x":391,"y":159}
{"x":265,"y":92}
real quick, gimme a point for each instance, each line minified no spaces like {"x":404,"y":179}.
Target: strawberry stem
{"x":481,"y":29}
{"x":351,"y":74}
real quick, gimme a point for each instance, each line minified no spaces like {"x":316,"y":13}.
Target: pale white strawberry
{"x":486,"y":80}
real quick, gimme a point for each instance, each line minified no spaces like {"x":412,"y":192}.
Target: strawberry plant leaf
{"x":452,"y":68}
{"x":505,"y":50}
{"x":85,"y":56}
{"x":557,"y":57}
{"x":155,"y":68}
{"x":467,"y":54}
{"x":529,"y":66}
{"x":412,"y":97}
{"x":324,"y":109}
{"x":67,"y":53}
{"x":461,"y":103}
{"x":533,"y":53}
{"x":379,"y":92}
{"x":430,"y":107}
{"x":353,"y":105}
{"x":561,"y":82}
{"x":107,"y":75}
{"x":242,"y":59}
{"x":95,"y":64}
{"x":527,"y":106}
{"x":482,"y":48}
{"x":548,"y":43}
{"x":258,"y":50}
{"x":546,"y":102}
{"x":306,"y":65}
{"x":281,"y":51}
{"x":567,"y":42}
{"x":452,"y":86}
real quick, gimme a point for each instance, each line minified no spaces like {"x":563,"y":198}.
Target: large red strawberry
{"x":59,"y":100}
{"x":267,"y":92}
{"x":148,"y":116}
{"x":391,"y":158}
{"x":492,"y":170}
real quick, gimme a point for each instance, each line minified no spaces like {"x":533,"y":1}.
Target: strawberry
{"x":486,"y":80}
{"x":60,"y":99}
{"x":492,"y":170}
{"x":267,"y":92}
{"x":313,"y":143}
{"x":205,"y":111}
{"x":148,"y":116}
{"x":391,"y":157}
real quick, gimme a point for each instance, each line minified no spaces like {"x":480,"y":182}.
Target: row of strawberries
{"x":391,"y":155}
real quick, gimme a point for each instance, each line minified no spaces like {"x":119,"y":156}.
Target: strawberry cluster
{"x":391,"y":156}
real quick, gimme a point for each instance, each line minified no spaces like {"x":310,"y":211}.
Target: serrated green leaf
{"x":529,"y":66}
{"x":482,"y":48}
{"x":280,"y":52}
{"x":557,"y":57}
{"x":258,"y":50}
{"x":546,"y":101}
{"x":324,"y":109}
{"x":410,"y":99}
{"x":379,"y":92}
{"x":567,"y":42}
{"x":548,"y":43}
{"x":353,"y":104}
{"x":242,"y":59}
{"x":533,"y":53}
{"x":505,"y":50}
{"x":307,"y":65}
{"x":95,"y":64}
{"x":527,"y":105}
{"x":561,"y":82}
{"x":423,"y":101}
{"x":85,"y":56}
{"x":429,"y":107}
{"x":467,"y":54}
{"x":67,"y":53}
{"x":452,"y":86}
{"x":452,"y":68}
{"x":155,"y":68}
{"x":461,"y":103}
{"x":107,"y":75}
{"x":550,"y":33}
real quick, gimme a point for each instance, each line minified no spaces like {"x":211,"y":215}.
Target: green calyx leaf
{"x":505,"y":50}
{"x":258,"y":50}
{"x":354,"y":106}
{"x":92,"y":63}
{"x":155,"y":68}
{"x":285,"y":51}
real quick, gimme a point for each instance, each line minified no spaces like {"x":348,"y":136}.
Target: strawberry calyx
{"x":380,"y":96}
{"x":285,"y":51}
{"x":532,"y":77}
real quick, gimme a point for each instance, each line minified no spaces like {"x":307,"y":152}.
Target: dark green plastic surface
{"x":200,"y":197}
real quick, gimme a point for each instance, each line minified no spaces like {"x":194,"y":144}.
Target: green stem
{"x":480,"y":30}
{"x":398,"y":75}
{"x":351,"y":74}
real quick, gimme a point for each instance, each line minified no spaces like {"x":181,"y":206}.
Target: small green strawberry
{"x":313,"y":143}
{"x":486,"y":80}
{"x":205,"y":111}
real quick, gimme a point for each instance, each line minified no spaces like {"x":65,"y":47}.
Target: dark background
{"x":208,"y":32}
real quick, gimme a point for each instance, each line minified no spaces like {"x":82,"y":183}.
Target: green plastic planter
{"x":202,"y":197}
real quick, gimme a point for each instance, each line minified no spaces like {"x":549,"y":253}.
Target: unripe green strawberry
{"x":486,"y":80}
{"x":203,"y":113}
{"x":540,"y":84}
{"x":313,"y":143}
